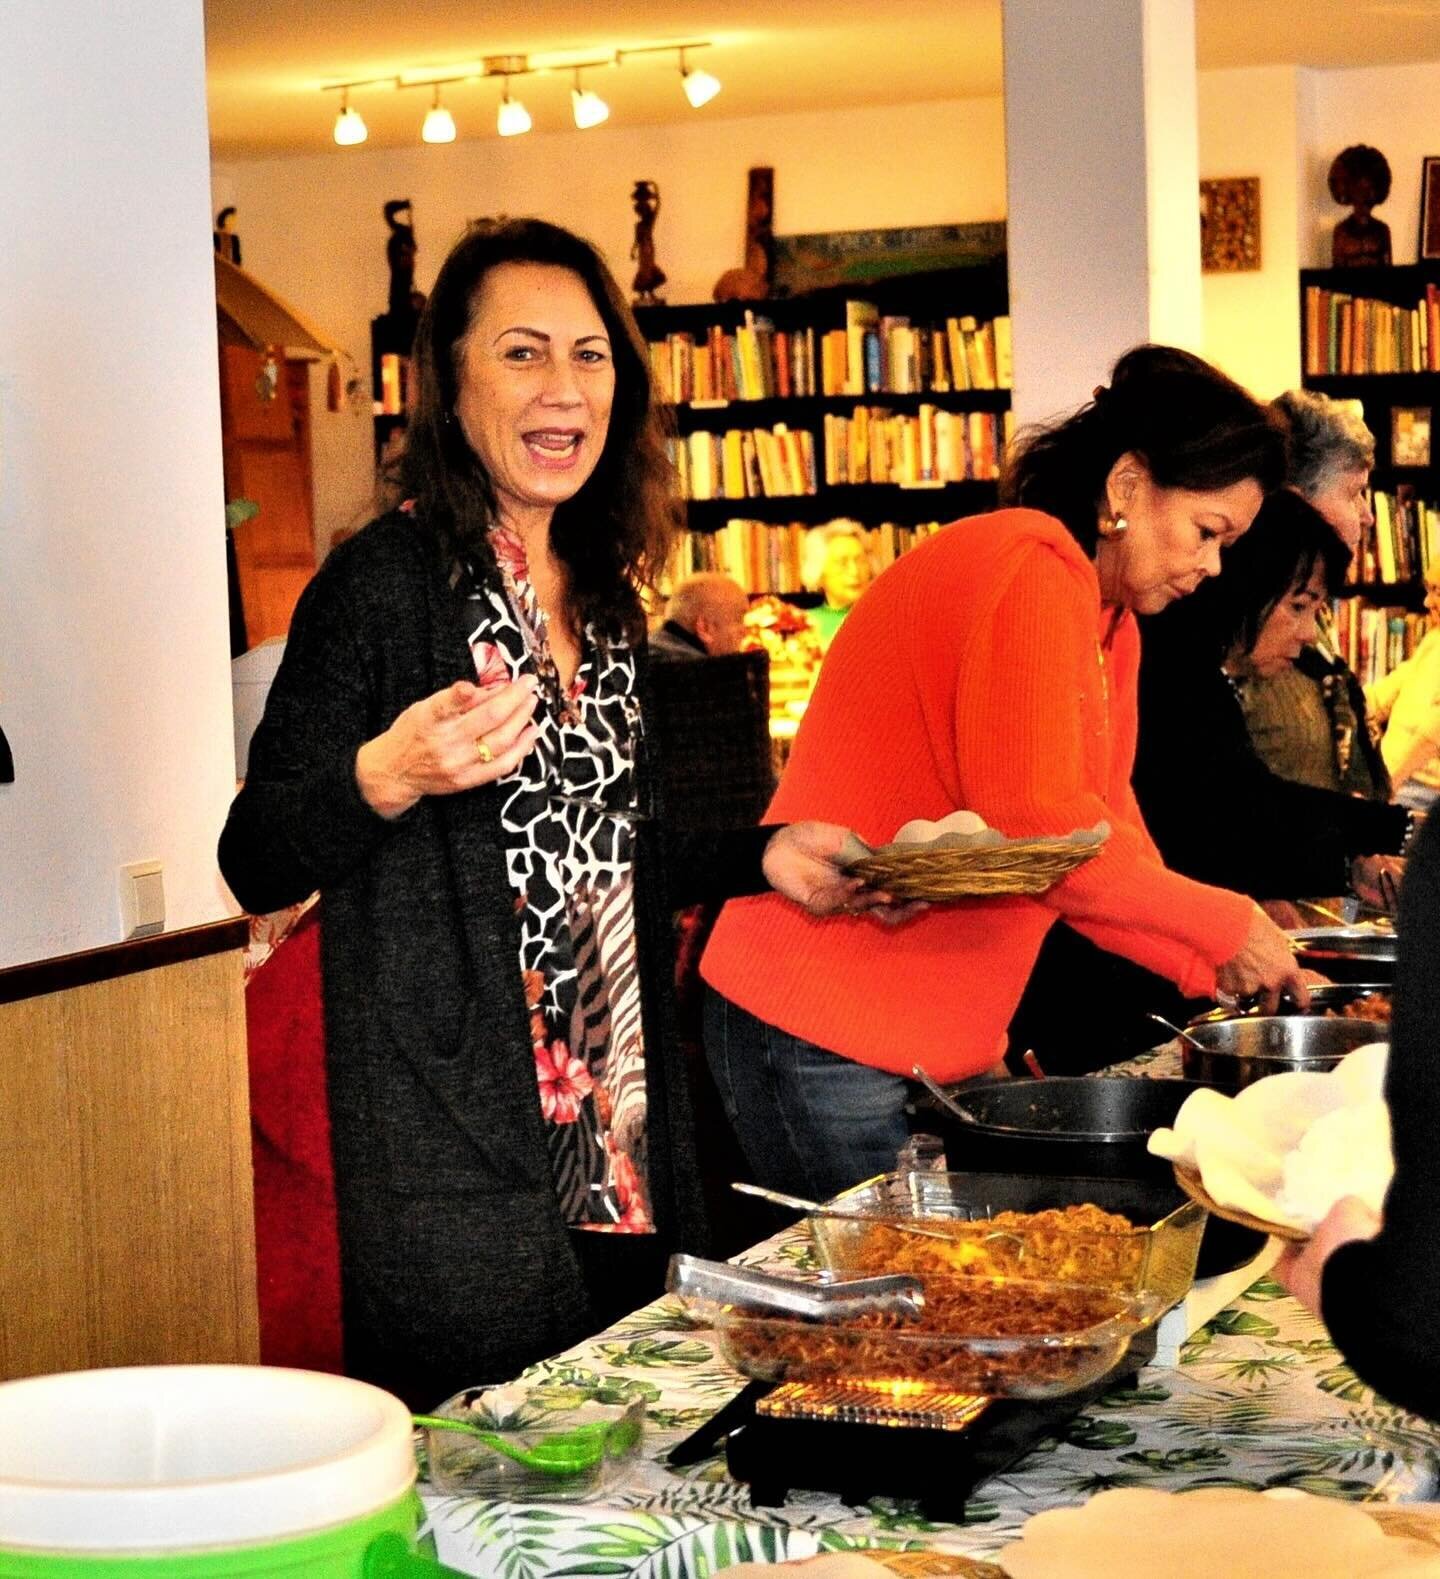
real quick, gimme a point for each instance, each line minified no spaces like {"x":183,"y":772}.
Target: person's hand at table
{"x":1302,"y":1266}
{"x":1376,"y":880}
{"x":801,"y":862}
{"x":458,"y":738}
{"x":1265,"y":965}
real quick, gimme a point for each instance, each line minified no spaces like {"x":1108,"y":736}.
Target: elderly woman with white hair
{"x":837,"y":564}
{"x":1308,"y":722}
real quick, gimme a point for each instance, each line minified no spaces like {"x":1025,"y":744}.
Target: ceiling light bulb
{"x":439,"y":124}
{"x":589,"y":108}
{"x":349,"y":127}
{"x":513,"y":118}
{"x":700,"y":87}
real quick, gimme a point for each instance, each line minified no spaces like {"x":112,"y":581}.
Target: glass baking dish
{"x":1155,"y":1258}
{"x":991,"y":1336}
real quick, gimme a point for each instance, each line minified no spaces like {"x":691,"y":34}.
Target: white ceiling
{"x":268,"y":59}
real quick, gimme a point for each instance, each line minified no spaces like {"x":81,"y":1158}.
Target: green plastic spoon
{"x":561,"y":1453}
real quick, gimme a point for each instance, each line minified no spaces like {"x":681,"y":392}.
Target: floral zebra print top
{"x":569,"y":820}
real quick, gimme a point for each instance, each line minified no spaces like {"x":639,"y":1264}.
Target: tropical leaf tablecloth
{"x":1260,"y":1398}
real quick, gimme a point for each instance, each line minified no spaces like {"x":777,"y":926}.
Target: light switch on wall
{"x":142,"y":899}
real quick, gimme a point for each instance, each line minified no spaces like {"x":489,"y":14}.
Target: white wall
{"x":312,"y":229}
{"x":1250,"y":125}
{"x":1393,"y":108}
{"x":114,"y":657}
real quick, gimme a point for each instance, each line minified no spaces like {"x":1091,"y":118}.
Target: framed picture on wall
{"x":1430,"y":207}
{"x":1230,"y":224}
{"x":1410,"y":435}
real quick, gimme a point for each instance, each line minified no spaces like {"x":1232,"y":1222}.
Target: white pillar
{"x":1102,"y":169}
{"x":114,"y":656}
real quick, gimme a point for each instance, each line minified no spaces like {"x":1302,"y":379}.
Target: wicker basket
{"x":1021,"y":866}
{"x":1189,"y":1181}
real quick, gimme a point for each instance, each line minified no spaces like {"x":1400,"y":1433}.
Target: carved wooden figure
{"x":649,"y":276}
{"x":1360,"y":176}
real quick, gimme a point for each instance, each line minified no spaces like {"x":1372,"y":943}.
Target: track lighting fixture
{"x":439,"y":124}
{"x":349,"y":127}
{"x":700,"y":87}
{"x":588,"y":108}
{"x":512,"y":118}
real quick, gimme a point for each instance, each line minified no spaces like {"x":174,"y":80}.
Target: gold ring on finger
{"x":482,"y":749}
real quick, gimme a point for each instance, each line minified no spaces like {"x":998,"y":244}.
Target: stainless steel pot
{"x":1234,"y":1053}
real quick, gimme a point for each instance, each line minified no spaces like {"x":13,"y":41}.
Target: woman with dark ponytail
{"x":994,"y":668}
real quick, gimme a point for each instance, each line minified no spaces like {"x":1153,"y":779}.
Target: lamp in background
{"x":349,"y":127}
{"x":513,"y":119}
{"x":700,"y":87}
{"x":588,"y":108}
{"x":439,"y":124}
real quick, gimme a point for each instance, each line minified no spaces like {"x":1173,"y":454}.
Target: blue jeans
{"x":810,"y":1122}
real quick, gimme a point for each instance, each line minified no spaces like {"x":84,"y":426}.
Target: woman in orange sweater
{"x":994,"y":668}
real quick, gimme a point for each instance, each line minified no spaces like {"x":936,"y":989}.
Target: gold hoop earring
{"x":1113,"y":526}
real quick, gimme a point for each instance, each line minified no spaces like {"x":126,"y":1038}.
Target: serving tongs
{"x":764,"y":1293}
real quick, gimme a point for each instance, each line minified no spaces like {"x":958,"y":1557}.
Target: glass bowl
{"x":1154,"y":1258}
{"x":517,"y":1447}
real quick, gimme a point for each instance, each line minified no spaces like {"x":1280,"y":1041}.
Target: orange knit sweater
{"x":972,"y":674}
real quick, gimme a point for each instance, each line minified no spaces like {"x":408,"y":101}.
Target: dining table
{"x":1259,"y":1398}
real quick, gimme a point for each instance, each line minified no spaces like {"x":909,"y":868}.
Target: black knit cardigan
{"x":456,"y":1267}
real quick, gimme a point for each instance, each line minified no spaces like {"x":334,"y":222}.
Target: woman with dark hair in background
{"x":1308,"y":722}
{"x":452,"y":753}
{"x":1215,"y":811}
{"x":993,"y":668}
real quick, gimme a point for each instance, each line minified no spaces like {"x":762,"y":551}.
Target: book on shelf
{"x":870,"y":355}
{"x":764,"y":556}
{"x":1402,"y":543}
{"x":1356,"y":334}
{"x":746,"y":463}
{"x":1373,"y":641}
{"x":930,"y":446}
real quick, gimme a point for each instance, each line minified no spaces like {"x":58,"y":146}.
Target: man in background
{"x":705,"y":618}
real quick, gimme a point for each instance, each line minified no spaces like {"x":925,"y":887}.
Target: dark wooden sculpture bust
{"x":649,"y":276}
{"x":1360,"y":176}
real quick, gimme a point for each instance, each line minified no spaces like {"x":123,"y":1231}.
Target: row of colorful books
{"x":1374,"y":641}
{"x":871,"y":355}
{"x":765,"y":557}
{"x":746,"y":463}
{"x":1356,"y":334}
{"x":930,"y":447}
{"x":1402,"y":544}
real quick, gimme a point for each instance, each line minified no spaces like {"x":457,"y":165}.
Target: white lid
{"x":194,"y":1456}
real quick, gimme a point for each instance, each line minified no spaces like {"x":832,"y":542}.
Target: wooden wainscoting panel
{"x":126,"y":1191}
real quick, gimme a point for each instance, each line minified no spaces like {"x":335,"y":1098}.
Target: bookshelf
{"x":1373,"y":335}
{"x":885,"y":402}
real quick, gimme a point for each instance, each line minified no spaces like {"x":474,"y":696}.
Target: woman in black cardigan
{"x":454,"y":754}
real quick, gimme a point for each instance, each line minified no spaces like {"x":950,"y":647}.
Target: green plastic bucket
{"x":206,"y":1472}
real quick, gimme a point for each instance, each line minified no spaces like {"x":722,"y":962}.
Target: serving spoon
{"x":561,"y":1453}
{"x":800,"y":1204}
{"x":1175,"y":1030}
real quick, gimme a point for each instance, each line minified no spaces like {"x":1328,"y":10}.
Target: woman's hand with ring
{"x":453,"y":740}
